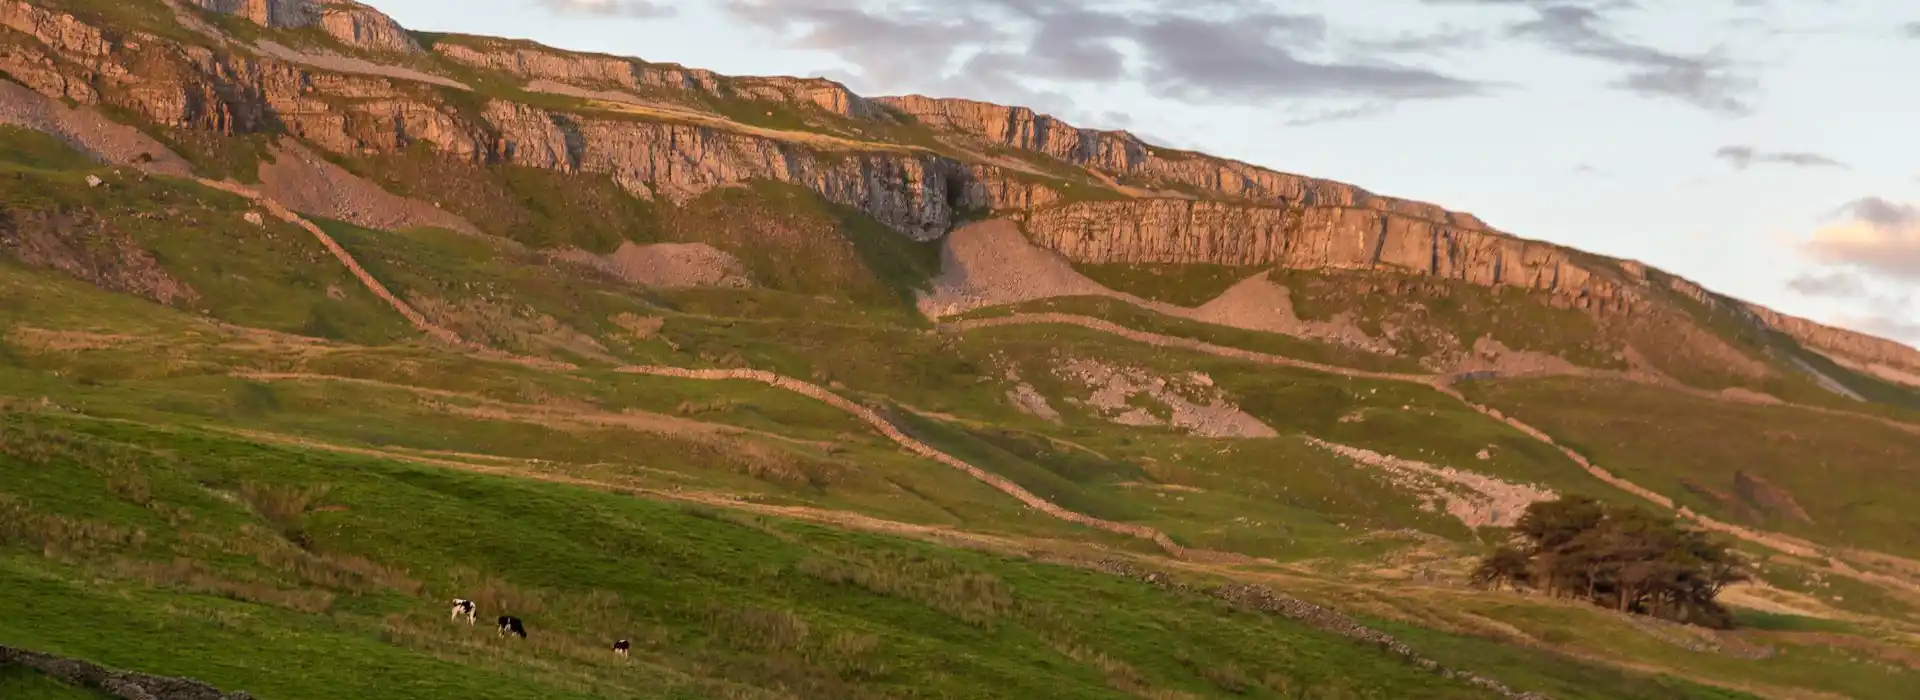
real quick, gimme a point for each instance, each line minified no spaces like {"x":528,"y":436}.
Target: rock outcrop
{"x":121,"y":684}
{"x":1321,"y":237}
{"x":351,"y":23}
{"x":1124,"y":156}
{"x":1227,"y":212}
{"x":531,"y":62}
{"x":1859,"y":347}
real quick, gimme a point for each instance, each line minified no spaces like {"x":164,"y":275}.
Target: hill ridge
{"x":1092,"y":195}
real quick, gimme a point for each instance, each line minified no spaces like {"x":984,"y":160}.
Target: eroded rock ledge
{"x":1167,"y":206}
{"x":122,"y":684}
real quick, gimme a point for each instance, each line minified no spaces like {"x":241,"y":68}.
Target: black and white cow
{"x":463,"y":608}
{"x":621,"y":647}
{"x":511,"y":625}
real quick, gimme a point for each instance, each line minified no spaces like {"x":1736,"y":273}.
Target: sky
{"x":1768,"y":149}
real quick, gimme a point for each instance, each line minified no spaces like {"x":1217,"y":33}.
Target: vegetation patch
{"x":1180,"y":285}
{"x":1429,"y":317}
{"x":1626,"y":559}
{"x":1852,"y":478}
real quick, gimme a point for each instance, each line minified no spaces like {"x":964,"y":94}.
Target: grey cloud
{"x":1743,"y":157}
{"x":1232,"y":51}
{"x":1337,"y":114}
{"x":1828,"y":284}
{"x":1883,"y":213}
{"x":1443,"y":40}
{"x":1911,"y":31}
{"x":1707,"y":81}
{"x":1246,"y":60}
{"x":623,"y":8}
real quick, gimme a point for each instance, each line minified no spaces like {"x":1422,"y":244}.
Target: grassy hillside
{"x":222,"y":457}
{"x":305,"y":570}
{"x":1825,"y":477}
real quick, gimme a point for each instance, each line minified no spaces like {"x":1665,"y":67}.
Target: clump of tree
{"x":1622,"y":558}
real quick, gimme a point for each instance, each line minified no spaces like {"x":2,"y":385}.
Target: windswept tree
{"x":1624,"y":558}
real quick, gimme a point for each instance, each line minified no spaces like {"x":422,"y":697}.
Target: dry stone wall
{"x":121,"y":684}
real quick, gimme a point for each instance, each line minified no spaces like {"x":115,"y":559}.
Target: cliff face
{"x":1124,"y":156}
{"x":1848,"y":344}
{"x":532,"y":62}
{"x":349,"y":22}
{"x":1319,"y":237}
{"x":1228,"y":212}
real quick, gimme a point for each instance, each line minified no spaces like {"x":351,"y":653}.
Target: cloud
{"x":1743,"y":157}
{"x":1708,"y":81}
{"x":1313,"y":116}
{"x":1876,"y":237}
{"x":1440,"y":41}
{"x":1202,"y":51}
{"x":1845,"y":285}
{"x":1582,"y":28}
{"x":1911,"y":30}
{"x":622,"y":8}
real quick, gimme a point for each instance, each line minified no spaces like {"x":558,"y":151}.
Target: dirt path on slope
{"x":892,"y":432}
{"x":339,"y":253}
{"x":1168,"y":341}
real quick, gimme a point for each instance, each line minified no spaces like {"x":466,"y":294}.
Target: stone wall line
{"x":127,"y":685}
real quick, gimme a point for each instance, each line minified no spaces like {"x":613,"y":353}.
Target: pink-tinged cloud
{"x":1876,"y":236}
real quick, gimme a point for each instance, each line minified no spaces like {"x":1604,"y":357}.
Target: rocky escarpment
{"x":349,"y":22}
{"x":533,"y":62}
{"x":1229,"y":213}
{"x":120,"y":684}
{"x":1858,"y":347}
{"x":1308,"y":237}
{"x":1124,"y":156}
{"x":197,"y":87}
{"x":1852,"y":347}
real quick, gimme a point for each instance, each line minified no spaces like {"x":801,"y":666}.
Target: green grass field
{"x":222,"y":457}
{"x":1827,"y":478}
{"x":296,"y":574}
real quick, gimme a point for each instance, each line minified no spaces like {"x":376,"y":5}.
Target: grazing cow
{"x":463,"y":608}
{"x":511,"y":625}
{"x":621,"y":647}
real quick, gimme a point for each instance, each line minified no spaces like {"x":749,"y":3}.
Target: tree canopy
{"x":1619,"y":557}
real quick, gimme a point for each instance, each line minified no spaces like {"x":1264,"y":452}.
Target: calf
{"x":463,"y":608}
{"x":511,"y":625}
{"x":621,"y":647}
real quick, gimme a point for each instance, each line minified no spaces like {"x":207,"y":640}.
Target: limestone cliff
{"x":1317,"y":237}
{"x":533,"y":62}
{"x":1122,"y":155}
{"x":916,"y":164}
{"x":349,"y":22}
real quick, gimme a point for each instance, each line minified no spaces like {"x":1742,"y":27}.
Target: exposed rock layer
{"x":349,"y":22}
{"x":120,"y":684}
{"x":1249,"y":215}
